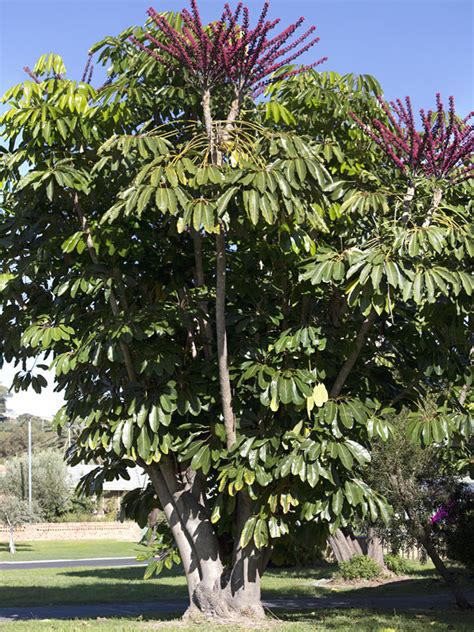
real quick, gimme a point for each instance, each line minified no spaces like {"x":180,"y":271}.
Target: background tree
{"x":4,"y":395}
{"x":420,"y":482}
{"x":14,"y":435}
{"x":51,"y":488}
{"x":15,"y":513}
{"x":213,"y":280}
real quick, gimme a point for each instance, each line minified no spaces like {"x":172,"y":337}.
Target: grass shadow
{"x":5,"y":548}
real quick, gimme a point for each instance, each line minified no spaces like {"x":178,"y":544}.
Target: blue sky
{"x":413,"y":47}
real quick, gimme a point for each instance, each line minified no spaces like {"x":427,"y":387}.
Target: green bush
{"x":359,"y":567}
{"x":458,"y":531}
{"x":397,"y":565}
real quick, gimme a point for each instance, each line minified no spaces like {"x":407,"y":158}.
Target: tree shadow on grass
{"x":101,"y":585}
{"x":4,"y":548}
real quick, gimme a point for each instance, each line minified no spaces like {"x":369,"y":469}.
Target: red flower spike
{"x":227,"y":51}
{"x":442,"y":149}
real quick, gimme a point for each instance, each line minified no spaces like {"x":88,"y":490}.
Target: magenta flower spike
{"x":228,"y":50}
{"x":442,"y":149}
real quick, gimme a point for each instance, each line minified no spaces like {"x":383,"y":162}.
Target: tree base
{"x":220,"y":605}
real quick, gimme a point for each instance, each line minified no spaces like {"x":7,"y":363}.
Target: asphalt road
{"x":95,"y":562}
{"x":397,"y":603}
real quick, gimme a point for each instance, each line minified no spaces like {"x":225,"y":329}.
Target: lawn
{"x":322,"y":621}
{"x":106,"y":585}
{"x":126,"y":585}
{"x":68,"y":550}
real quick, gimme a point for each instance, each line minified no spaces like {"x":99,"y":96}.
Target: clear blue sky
{"x":415,"y":47}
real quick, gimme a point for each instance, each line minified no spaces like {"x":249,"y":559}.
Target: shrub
{"x":458,"y":532}
{"x":359,"y":567}
{"x":397,"y":564}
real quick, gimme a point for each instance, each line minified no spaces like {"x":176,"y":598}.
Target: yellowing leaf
{"x":320,"y":394}
{"x":274,"y":404}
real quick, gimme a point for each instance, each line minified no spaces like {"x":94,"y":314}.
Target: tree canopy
{"x":235,"y":293}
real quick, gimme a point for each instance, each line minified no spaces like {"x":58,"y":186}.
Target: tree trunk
{"x":344,"y":546}
{"x":352,"y":358}
{"x":215,"y":592}
{"x":374,"y":548}
{"x":437,"y":195}
{"x":222,"y":354}
{"x":454,"y":587}
{"x":12,"y":546}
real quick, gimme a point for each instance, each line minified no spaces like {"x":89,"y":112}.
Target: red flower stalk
{"x":441,"y":150}
{"x":87,"y":69}
{"x":229,"y":50}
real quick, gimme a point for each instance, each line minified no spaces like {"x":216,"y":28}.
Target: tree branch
{"x":351,"y":360}
{"x":112,"y":299}
{"x":221,"y":265}
{"x":407,"y":200}
{"x":437,"y":195}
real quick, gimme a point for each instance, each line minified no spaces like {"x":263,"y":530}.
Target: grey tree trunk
{"x":215,"y":591}
{"x":374,"y":548}
{"x":344,"y":546}
{"x":11,"y":543}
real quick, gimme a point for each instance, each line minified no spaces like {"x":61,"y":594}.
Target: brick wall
{"x":125,"y":531}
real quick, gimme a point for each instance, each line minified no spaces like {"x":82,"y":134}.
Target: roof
{"x":137,"y":478}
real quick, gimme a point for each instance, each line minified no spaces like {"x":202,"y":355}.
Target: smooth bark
{"x":407,"y":200}
{"x":352,"y":358}
{"x":454,"y":587}
{"x":11,"y":543}
{"x":374,"y":548}
{"x":221,"y":338}
{"x":344,"y":546}
{"x":437,"y":195}
{"x":221,"y":271}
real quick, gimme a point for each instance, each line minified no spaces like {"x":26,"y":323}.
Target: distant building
{"x":113,"y":490}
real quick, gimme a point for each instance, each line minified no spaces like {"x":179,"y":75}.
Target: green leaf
{"x":337,"y":502}
{"x":345,"y":456}
{"x":223,"y":200}
{"x":248,"y":531}
{"x":127,"y":434}
{"x":144,"y":445}
{"x":251,"y":205}
{"x":260,"y":534}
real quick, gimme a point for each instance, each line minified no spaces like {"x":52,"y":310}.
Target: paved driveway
{"x":440,"y":601}
{"x":96,"y":562}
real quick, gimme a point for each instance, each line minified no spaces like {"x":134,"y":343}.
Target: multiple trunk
{"x":216,"y":589}
{"x":345,"y":545}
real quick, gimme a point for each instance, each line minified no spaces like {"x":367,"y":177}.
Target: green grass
{"x":66,"y":549}
{"x":107,"y":585}
{"x":322,"y":621}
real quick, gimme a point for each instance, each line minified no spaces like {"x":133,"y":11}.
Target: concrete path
{"x":95,"y":562}
{"x":440,"y":601}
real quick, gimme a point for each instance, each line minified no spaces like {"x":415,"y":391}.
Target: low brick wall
{"x":124,"y":531}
